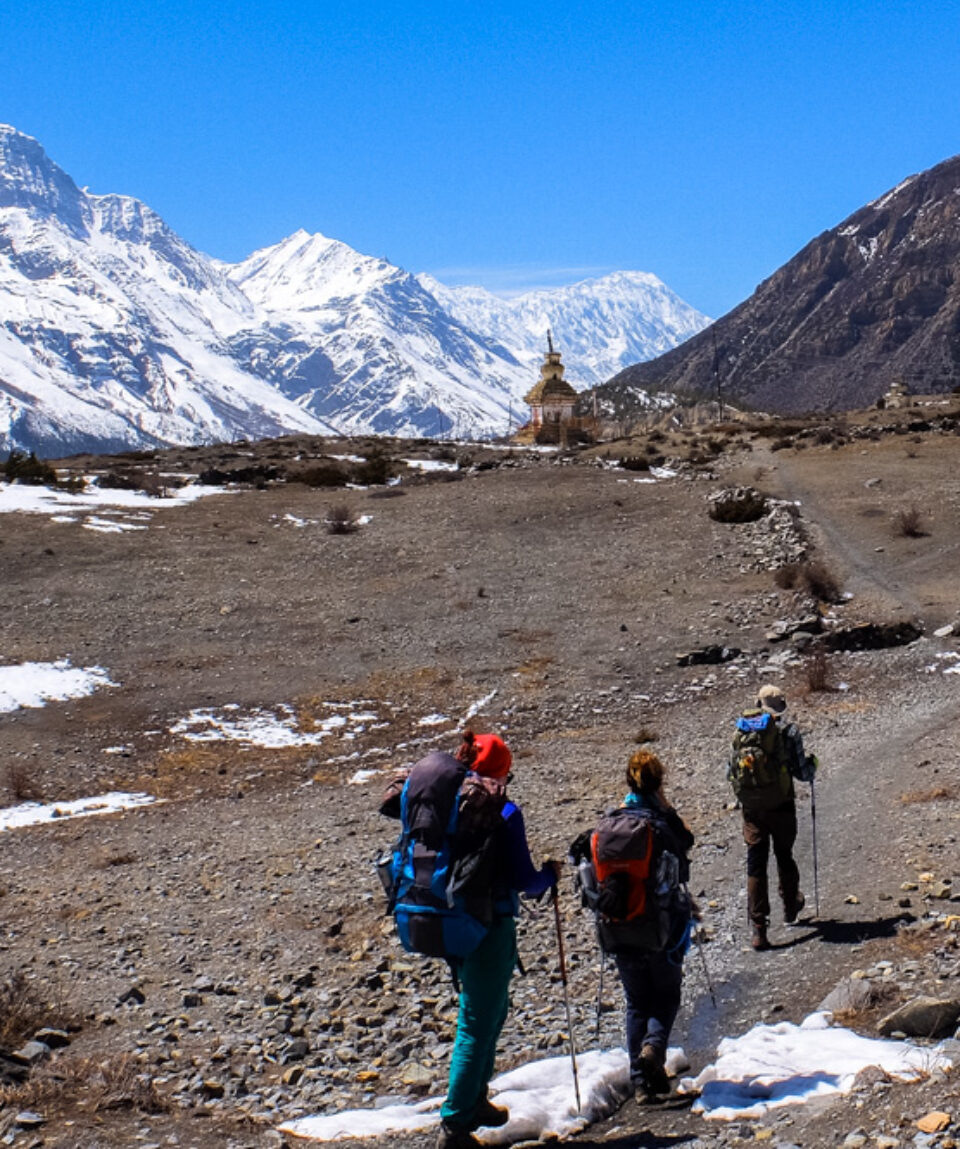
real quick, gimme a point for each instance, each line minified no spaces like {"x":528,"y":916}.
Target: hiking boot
{"x":490,"y":1116}
{"x":791,"y":909}
{"x":760,"y":941}
{"x":655,"y":1077}
{"x":451,"y":1137}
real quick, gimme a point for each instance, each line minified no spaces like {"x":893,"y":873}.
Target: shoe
{"x":451,"y":1137}
{"x":790,"y":911}
{"x":654,"y":1075}
{"x":760,"y":941}
{"x":490,"y":1116}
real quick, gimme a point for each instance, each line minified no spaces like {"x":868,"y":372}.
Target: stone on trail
{"x":922,"y":1017}
{"x":934,"y":1122}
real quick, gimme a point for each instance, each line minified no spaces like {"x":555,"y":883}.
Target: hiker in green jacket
{"x":767,"y":755}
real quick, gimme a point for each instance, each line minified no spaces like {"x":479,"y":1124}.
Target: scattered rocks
{"x":737,"y":505}
{"x":709,"y":656}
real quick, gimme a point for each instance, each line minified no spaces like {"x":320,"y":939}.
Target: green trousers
{"x":484,"y":1001}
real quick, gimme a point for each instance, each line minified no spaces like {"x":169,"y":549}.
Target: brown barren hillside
{"x":871,"y":301}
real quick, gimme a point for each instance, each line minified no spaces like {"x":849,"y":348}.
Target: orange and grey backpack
{"x":632,"y":883}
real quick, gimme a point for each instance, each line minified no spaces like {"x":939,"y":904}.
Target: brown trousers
{"x":760,"y":828}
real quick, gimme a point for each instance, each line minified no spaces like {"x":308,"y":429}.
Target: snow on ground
{"x":950,"y":656}
{"x":36,"y":813}
{"x":539,"y":1096}
{"x":33,"y":684}
{"x":431,"y":464}
{"x":787,"y":1064}
{"x":271,"y":729}
{"x":48,"y":500}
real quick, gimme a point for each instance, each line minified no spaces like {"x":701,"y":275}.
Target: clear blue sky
{"x":506,"y":144}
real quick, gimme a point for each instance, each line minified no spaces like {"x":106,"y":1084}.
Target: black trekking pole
{"x":703,"y":957}
{"x":600,"y":995}
{"x":813,"y":827}
{"x":566,"y":996}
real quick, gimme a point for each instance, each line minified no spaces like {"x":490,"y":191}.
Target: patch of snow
{"x":475,"y":707}
{"x":15,"y":497}
{"x":36,"y":813}
{"x":431,"y":465}
{"x":786,"y":1064}
{"x":663,"y":473}
{"x":433,"y":720}
{"x":273,"y":728}
{"x":111,"y":526}
{"x":362,"y":776}
{"x":31,"y":685}
{"x":539,"y":1095}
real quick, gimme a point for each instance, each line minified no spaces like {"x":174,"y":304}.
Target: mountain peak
{"x":30,"y":180}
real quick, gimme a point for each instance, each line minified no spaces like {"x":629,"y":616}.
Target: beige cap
{"x":772,"y":698}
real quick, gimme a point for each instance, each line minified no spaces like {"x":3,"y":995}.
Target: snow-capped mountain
{"x":393,"y":360}
{"x":601,"y":325}
{"x":116,"y":333}
{"x":112,"y":329}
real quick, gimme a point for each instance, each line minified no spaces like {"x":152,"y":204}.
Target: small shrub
{"x":340,"y":521}
{"x":816,"y":674}
{"x":374,"y":471}
{"x":322,"y":475}
{"x":22,"y":784}
{"x":22,"y":1013}
{"x":787,"y":577}
{"x":821,"y":582}
{"x":909,"y":523}
{"x":937,"y":794}
{"x":29,"y":470}
{"x":645,"y":734}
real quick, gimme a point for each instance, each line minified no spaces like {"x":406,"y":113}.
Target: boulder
{"x":922,"y":1017}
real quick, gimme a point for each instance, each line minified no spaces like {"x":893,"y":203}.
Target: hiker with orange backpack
{"x":633,"y":872}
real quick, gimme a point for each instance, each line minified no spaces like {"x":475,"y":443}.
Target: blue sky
{"x":509,"y":145}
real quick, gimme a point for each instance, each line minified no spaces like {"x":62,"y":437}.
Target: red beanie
{"x":493,"y":756}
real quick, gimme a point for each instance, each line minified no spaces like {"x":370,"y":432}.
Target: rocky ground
{"x":218,"y":963}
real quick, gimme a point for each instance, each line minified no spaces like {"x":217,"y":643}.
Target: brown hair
{"x":467,"y":750}
{"x":644,"y":772}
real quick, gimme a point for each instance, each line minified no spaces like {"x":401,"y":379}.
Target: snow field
{"x":37,"y":813}
{"x":33,"y":684}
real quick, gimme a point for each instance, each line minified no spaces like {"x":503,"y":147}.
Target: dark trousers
{"x":651,"y":990}
{"x":760,"y":828}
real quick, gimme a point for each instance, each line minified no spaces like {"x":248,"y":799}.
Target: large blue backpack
{"x":444,"y":866}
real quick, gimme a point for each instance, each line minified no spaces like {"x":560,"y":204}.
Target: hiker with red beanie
{"x":485,"y":973}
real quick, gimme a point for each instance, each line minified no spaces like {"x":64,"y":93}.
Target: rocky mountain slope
{"x":873,"y":300}
{"x":116,"y":333}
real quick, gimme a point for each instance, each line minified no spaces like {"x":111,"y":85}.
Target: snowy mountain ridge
{"x":115,"y":333}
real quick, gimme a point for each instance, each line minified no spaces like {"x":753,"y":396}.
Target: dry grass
{"x":787,"y":577}
{"x":94,"y":1086}
{"x":821,"y":582}
{"x":340,"y":520}
{"x":936,"y":794}
{"x":21,"y":783}
{"x":816,"y":674}
{"x":908,"y":523}
{"x":645,"y":734}
{"x":22,"y":1012}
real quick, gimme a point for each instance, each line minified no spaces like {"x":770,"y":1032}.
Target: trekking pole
{"x":703,"y":957}
{"x":813,"y":827}
{"x":566,"y":995}
{"x":600,"y":996}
